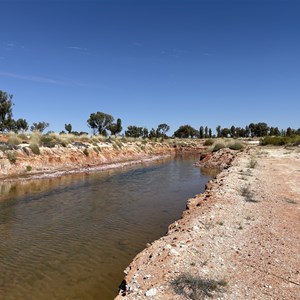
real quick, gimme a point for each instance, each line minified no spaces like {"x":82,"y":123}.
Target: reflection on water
{"x":72,"y":237}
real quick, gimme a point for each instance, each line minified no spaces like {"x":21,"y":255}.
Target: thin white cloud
{"x":77,"y":48}
{"x":10,"y":46}
{"x":34,"y":78}
{"x":40,"y":79}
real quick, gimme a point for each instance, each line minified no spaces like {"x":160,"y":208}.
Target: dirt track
{"x":239,"y":240}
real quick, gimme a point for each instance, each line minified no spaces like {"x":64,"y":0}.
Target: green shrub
{"x":11,"y":156}
{"x":208,"y":142}
{"x":279,"y":140}
{"x":28,"y":168}
{"x":48,"y":141}
{"x":235,"y":146}
{"x":218,"y":146}
{"x":23,"y":137}
{"x":14,"y":140}
{"x":35,"y":149}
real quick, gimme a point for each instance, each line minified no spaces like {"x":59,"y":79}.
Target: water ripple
{"x":71,"y":238}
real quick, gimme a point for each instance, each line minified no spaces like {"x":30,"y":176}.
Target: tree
{"x":162,"y":129}
{"x":247,"y":131}
{"x":40,"y":126}
{"x":68,"y":128}
{"x":209,"y":133}
{"x":232,"y":131}
{"x":100,"y":122}
{"x":6,"y":105}
{"x":115,"y":128}
{"x":289,"y":131}
{"x":218,"y":129}
{"x":145,"y":133}
{"x":21,"y":124}
{"x":152,"y":133}
{"x":134,"y":131}
{"x":259,"y":129}
{"x":186,"y":131}
{"x":201,"y":132}
{"x":206,"y":132}
{"x":225,"y":132}
{"x":119,"y":125}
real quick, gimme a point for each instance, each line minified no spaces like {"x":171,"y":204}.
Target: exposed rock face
{"x":219,"y":160}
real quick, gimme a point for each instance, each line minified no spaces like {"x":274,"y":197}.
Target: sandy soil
{"x":238,"y":240}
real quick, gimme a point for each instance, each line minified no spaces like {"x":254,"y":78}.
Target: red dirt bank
{"x":83,"y":157}
{"x":238,"y":240}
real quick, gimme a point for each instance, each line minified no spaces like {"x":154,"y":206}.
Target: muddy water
{"x":72,"y":237}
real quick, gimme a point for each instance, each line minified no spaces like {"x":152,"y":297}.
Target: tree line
{"x":104,"y":124}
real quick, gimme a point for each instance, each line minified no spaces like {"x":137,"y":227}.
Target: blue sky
{"x":149,"y":62}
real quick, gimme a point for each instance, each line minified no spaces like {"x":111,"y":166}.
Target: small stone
{"x":174,"y":252}
{"x":150,"y":293}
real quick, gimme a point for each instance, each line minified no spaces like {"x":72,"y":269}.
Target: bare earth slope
{"x":238,"y":240}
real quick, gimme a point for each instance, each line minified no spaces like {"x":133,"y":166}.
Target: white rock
{"x":150,"y":293}
{"x":174,"y":252}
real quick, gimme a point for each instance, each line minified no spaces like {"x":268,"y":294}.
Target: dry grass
{"x":196,"y":288}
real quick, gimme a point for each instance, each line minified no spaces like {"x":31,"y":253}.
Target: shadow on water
{"x":72,"y":237}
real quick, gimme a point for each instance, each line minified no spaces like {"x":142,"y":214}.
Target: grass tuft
{"x":236,"y":146}
{"x":196,"y":288}
{"x":35,"y":148}
{"x":218,"y":146}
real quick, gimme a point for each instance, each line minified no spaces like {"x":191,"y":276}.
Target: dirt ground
{"x":238,"y":240}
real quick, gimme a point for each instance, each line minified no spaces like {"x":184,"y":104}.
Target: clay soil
{"x":238,"y":240}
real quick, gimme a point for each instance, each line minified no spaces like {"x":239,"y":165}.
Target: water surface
{"x":72,"y":237}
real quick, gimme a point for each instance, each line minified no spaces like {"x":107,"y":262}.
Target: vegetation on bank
{"x":281,"y":140}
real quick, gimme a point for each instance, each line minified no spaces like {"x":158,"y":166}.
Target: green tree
{"x":145,"y":133}
{"x":259,"y":129}
{"x":289,"y":131}
{"x":232,"y":131}
{"x":186,"y":131}
{"x":247,"y":131}
{"x":100,"y":122}
{"x":209,"y":133}
{"x":206,"y":132}
{"x":152,"y":133}
{"x":134,"y":131}
{"x":201,"y":132}
{"x":218,"y":129}
{"x":225,"y":132}
{"x":119,"y":125}
{"x":162,"y":129}
{"x":22,"y":125}
{"x":40,"y":126}
{"x":6,"y":105}
{"x":115,"y":128}
{"x":68,"y":128}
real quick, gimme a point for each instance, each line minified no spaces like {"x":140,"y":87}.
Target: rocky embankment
{"x":22,"y":161}
{"x":238,"y":240}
